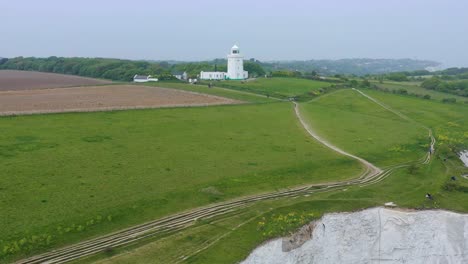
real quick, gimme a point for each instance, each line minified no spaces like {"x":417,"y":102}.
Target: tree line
{"x":458,"y":87}
{"x":117,"y":69}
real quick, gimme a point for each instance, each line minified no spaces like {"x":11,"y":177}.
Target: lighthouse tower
{"x":236,"y":65}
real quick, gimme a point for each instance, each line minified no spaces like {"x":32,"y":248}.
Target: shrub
{"x":398,"y":77}
{"x":413,"y":169}
{"x":454,"y":187}
{"x":402,"y":91}
{"x":282,"y":224}
{"x":449,"y":100}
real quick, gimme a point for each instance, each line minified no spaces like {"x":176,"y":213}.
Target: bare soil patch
{"x":28,"y":80}
{"x":101,"y":98}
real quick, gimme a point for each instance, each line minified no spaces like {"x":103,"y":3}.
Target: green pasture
{"x":276,"y":87}
{"x":417,"y":89}
{"x":230,"y":239}
{"x":217,"y":91}
{"x":363,"y":128}
{"x":66,"y":177}
{"x":449,"y":121}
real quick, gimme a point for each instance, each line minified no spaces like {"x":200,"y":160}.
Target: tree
{"x":402,"y":91}
{"x":353,"y":83}
{"x":365,"y":83}
{"x":398,"y":77}
{"x":432,"y":83}
{"x":254,"y":69}
{"x":449,"y":100}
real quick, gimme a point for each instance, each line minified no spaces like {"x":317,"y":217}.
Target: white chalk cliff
{"x":464,"y":157}
{"x":376,"y":235}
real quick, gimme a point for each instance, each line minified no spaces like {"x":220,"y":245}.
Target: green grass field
{"x":231,"y":239}
{"x":70,"y":176}
{"x":366,"y":129}
{"x":218,"y":91}
{"x":416,"y":89}
{"x":284,"y":87}
{"x":449,"y":121}
{"x":67,"y":177}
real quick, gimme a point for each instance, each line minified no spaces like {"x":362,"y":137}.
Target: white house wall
{"x":212,"y":75}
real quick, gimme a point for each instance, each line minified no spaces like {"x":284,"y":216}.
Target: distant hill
{"x":359,"y":66}
{"x":352,"y":66}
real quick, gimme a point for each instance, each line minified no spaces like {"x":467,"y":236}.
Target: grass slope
{"x":365,"y":129}
{"x":285,"y":87}
{"x":431,"y":113}
{"x":231,"y":239}
{"x":70,"y":176}
{"x":417,"y":89}
{"x":233,"y":94}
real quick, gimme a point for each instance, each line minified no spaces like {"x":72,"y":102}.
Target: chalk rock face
{"x":299,"y":238}
{"x":376,"y":235}
{"x":464,"y":157}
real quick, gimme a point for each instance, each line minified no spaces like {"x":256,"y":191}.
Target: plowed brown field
{"x":100,"y":98}
{"x":27,"y":80}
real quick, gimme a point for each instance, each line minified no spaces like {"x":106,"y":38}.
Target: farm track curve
{"x":371,"y":175}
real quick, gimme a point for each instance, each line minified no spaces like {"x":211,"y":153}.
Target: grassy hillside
{"x":365,"y":129}
{"x":218,"y":91}
{"x":230,"y":239}
{"x":280,"y":87}
{"x":66,"y":177}
{"x":449,"y":121}
{"x":417,"y":89}
{"x":70,"y":176}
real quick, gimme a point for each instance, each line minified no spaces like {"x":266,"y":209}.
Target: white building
{"x":213,"y":75}
{"x":180,"y":75}
{"x":236,"y":65}
{"x":144,"y":78}
{"x":235,"y":68}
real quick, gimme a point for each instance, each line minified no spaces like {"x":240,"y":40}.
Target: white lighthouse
{"x":236,"y":65}
{"x":235,"y":68}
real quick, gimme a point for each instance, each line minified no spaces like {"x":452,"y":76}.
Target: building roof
{"x":235,"y":47}
{"x":140,"y":77}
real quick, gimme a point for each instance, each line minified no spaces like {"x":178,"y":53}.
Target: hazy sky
{"x":264,"y":29}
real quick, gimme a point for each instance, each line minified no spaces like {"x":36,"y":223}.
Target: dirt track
{"x":28,"y":80}
{"x":99,"y":98}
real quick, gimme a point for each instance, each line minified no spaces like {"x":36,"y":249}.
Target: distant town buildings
{"x":235,"y":68}
{"x":144,"y":78}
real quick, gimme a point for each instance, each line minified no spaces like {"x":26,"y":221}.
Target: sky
{"x":264,"y":29}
